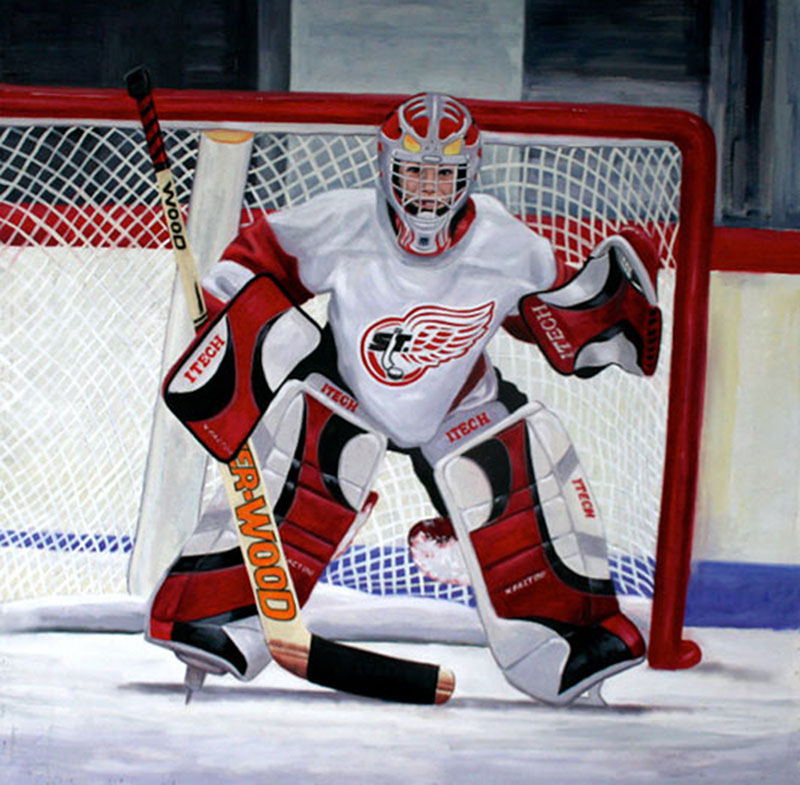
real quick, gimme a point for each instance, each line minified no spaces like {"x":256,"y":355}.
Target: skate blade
{"x":593,"y":696}
{"x":193,"y":681}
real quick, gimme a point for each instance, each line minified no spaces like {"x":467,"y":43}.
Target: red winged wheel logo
{"x":399,"y":350}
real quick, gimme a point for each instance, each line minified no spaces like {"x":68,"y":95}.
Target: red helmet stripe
{"x":416,"y":115}
{"x":391,"y":127}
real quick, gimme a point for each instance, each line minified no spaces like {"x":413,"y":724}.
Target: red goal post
{"x":522,"y":125}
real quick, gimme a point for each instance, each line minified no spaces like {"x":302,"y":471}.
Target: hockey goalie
{"x":421,"y":273}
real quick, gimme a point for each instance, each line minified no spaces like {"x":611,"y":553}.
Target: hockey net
{"x":87,"y":275}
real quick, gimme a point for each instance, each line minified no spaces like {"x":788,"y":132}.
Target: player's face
{"x":427,"y":188}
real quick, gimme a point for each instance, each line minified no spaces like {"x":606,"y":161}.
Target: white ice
{"x":102,"y":708}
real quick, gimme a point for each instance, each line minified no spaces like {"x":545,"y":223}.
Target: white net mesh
{"x":87,"y":275}
{"x":86,"y":278}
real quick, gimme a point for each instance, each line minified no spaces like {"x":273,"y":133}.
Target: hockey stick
{"x":291,"y":644}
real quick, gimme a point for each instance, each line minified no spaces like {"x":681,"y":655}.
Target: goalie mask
{"x":429,"y":153}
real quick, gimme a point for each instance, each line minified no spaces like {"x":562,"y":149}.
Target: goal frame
{"x":240,"y":110}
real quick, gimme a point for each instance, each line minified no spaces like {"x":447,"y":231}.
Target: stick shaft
{"x":259,"y":541}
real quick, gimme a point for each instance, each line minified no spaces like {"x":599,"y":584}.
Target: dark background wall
{"x":210,"y":44}
{"x":735,"y":62}
{"x":754,"y":107}
{"x":666,"y":40}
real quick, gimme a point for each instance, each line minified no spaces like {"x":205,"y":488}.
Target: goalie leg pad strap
{"x":533,"y":544}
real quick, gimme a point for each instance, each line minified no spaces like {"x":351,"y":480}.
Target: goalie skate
{"x":534,"y":547}
{"x":203,"y":610}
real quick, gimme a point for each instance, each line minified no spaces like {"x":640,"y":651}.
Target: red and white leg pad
{"x":319,"y":463}
{"x":533,"y":543}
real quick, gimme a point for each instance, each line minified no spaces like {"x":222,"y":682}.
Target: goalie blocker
{"x":223,"y":383}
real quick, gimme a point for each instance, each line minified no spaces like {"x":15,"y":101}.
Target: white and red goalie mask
{"x":429,"y":152}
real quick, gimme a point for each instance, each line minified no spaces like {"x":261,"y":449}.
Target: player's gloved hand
{"x":222,"y":385}
{"x":607,"y":314}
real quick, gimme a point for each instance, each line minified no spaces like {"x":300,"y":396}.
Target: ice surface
{"x":102,"y":708}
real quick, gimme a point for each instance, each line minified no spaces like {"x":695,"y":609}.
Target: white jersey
{"x":410,"y":329}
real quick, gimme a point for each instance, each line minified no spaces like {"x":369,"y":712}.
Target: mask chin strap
{"x":432,"y":242}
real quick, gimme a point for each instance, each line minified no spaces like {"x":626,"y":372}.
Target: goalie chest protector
{"x":408,"y":329}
